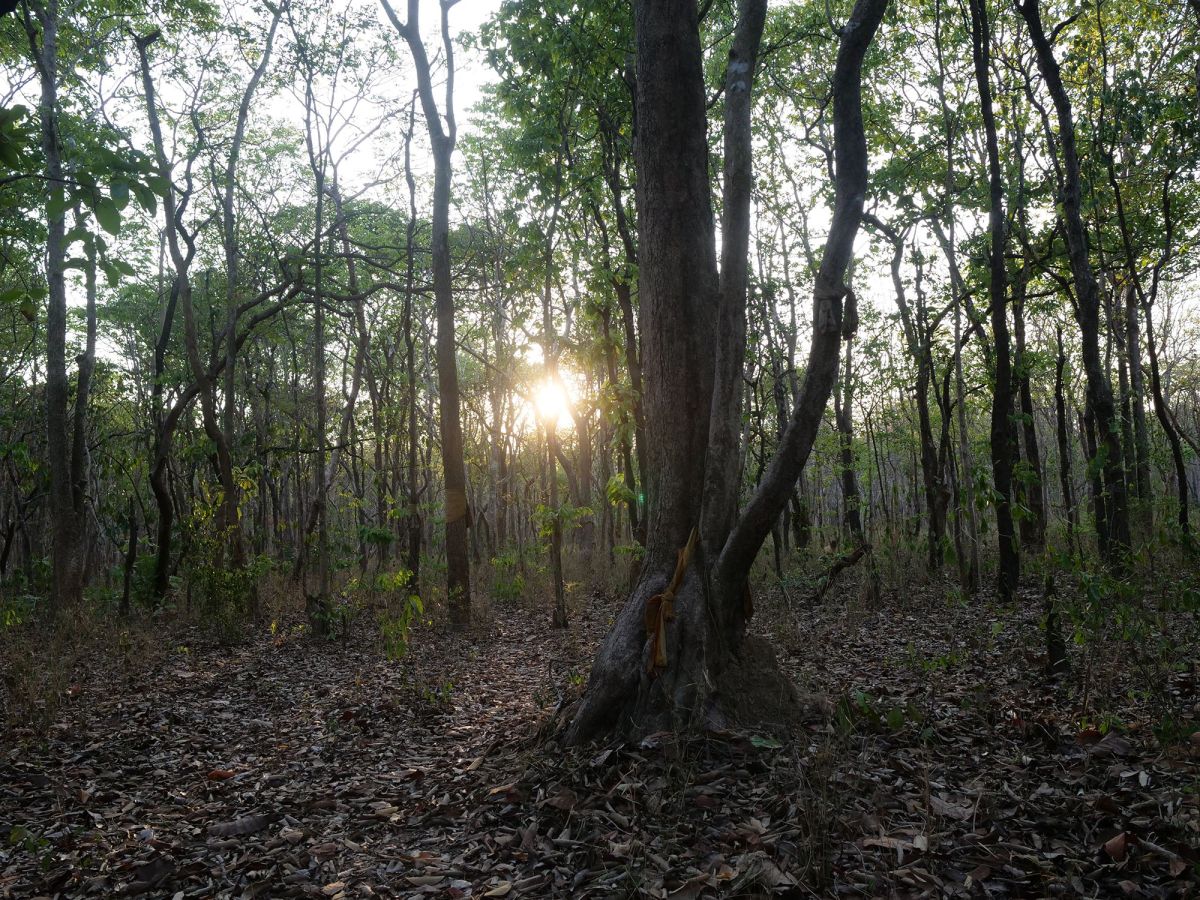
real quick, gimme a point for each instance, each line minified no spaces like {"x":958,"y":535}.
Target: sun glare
{"x":551,"y":403}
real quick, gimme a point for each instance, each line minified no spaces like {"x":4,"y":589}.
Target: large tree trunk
{"x":676,"y":656}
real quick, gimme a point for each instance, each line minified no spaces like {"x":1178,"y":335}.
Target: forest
{"x":618,"y":448}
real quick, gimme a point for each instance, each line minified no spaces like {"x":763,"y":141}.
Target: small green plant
{"x":35,"y":845}
{"x":438,"y":696}
{"x":508,"y":581}
{"x":859,"y":711}
{"x":395,"y":629}
{"x":17,"y":610}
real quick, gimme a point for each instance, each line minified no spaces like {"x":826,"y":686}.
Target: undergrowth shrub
{"x":223,"y":595}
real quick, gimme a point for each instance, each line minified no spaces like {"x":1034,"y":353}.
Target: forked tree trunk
{"x":696,"y":667}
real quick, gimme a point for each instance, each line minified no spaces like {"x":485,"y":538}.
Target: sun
{"x":551,"y":403}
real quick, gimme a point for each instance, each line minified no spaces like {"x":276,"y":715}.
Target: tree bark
{"x":1001,"y":433}
{"x":697,"y":663}
{"x":1112,"y":522}
{"x":442,"y":139}
{"x":725,"y":419}
{"x":67,"y":557}
{"x":1064,"y":443}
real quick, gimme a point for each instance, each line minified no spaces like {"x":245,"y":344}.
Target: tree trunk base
{"x":705,"y":685}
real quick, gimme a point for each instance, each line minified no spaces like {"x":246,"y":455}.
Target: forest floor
{"x":945,"y":765}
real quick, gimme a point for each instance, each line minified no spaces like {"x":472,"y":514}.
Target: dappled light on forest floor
{"x":290,"y":767}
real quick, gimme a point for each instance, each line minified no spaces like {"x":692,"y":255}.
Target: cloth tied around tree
{"x":660,"y":609}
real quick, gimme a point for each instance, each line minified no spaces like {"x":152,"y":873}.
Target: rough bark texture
{"x":66,"y":534}
{"x":711,"y":673}
{"x":679,"y":305}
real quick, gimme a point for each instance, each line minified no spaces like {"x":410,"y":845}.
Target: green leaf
{"x":158,"y":184}
{"x":763,"y":742}
{"x":146,"y":198}
{"x":107,"y":215}
{"x":119,"y":191}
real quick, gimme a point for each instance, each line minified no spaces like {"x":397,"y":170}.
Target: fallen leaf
{"x":240,"y":827}
{"x":1117,"y":846}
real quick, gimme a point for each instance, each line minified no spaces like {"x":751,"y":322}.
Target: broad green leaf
{"x":107,"y":215}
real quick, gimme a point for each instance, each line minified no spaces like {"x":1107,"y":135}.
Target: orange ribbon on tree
{"x":660,"y":609}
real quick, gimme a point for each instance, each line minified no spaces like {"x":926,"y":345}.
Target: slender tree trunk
{"x":1163,"y":413}
{"x":918,"y":340}
{"x":413,"y":519}
{"x":182,"y":247}
{"x":725,"y":418}
{"x":1137,"y":390}
{"x":1064,"y":443}
{"x":966,"y":526}
{"x":232,"y":275}
{"x":845,"y":428}
{"x":442,"y":138}
{"x":1033,"y":527}
{"x":1112,"y":525}
{"x":66,"y":536}
{"x":130,"y":556}
{"x":1001,"y":434}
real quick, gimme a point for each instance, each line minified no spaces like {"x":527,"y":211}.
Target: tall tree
{"x":1002,"y":392}
{"x":442,"y":137}
{"x":678,"y":654}
{"x":68,"y":475}
{"x":1112,"y":515}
